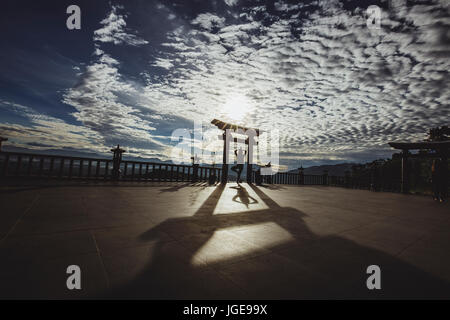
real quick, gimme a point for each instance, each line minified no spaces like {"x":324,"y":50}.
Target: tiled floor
{"x":175,"y":240}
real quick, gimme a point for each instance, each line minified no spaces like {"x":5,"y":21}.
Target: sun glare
{"x":237,"y":108}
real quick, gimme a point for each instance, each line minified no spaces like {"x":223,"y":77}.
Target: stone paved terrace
{"x":176,"y":240}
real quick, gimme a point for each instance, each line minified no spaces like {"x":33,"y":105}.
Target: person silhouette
{"x":243,"y":197}
{"x":439,"y":176}
{"x":443,"y":185}
{"x":240,"y":157}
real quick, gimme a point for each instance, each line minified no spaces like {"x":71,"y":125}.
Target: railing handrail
{"x":14,"y":153}
{"x":30,"y":154}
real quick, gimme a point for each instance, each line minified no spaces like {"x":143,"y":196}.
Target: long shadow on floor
{"x":302,"y":265}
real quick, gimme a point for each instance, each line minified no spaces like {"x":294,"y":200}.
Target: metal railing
{"x":30,"y":165}
{"x":292,"y":179}
{"x":368,"y":183}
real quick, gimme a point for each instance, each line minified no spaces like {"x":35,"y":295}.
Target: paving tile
{"x":385,"y":236}
{"x":22,"y":249}
{"x":116,"y":238}
{"x":430,"y":254}
{"x":13,"y":207}
{"x":287,"y":279}
{"x":46,"y":279}
{"x":58,"y":225}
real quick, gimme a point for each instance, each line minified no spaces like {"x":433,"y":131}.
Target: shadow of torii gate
{"x":251,"y":133}
{"x":333,"y":267}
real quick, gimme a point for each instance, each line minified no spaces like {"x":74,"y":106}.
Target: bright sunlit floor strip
{"x":238,"y":198}
{"x":241,"y":242}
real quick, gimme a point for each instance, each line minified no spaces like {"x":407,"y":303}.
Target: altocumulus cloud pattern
{"x":336,"y":90}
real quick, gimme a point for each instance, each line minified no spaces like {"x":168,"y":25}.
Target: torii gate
{"x":226,"y":145}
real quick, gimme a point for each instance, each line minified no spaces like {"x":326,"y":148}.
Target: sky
{"x":137,"y":70}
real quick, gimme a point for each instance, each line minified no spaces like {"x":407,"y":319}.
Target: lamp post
{"x":1,"y":140}
{"x":301,"y":176}
{"x":195,"y":165}
{"x":117,"y":158}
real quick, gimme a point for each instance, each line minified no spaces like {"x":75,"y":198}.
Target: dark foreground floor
{"x":184,"y":241}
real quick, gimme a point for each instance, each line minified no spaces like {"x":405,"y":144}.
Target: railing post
{"x":226,"y":146}
{"x":373,"y":178}
{"x":97,"y":169}
{"x":41,"y":166}
{"x":195,"y":172}
{"x":106,"y":169}
{"x":405,"y":172}
{"x":80,"y":172}
{"x":89,"y":168}
{"x":325,"y":177}
{"x":5,"y":165}
{"x":61,"y":168}
{"x":125,"y":169}
{"x":347,"y":179}
{"x":301,"y":176}
{"x":19,"y":165}
{"x":1,"y":140}
{"x":70,"y":168}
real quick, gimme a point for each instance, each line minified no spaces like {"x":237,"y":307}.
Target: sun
{"x":237,"y":107}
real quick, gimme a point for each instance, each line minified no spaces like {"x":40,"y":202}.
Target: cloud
{"x":114,"y":30}
{"x":281,"y":6}
{"x":231,"y":3}
{"x":163,"y":63}
{"x":208,"y":21}
{"x":45,"y":131}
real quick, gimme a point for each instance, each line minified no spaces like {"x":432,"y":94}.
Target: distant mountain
{"x":333,"y":170}
{"x":57,"y":152}
{"x":74,"y":153}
